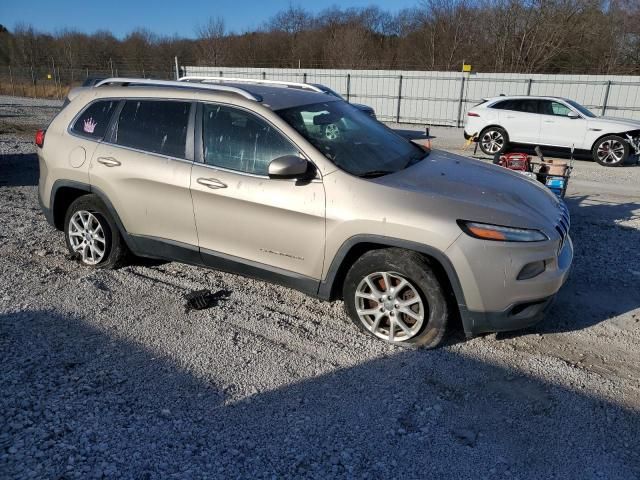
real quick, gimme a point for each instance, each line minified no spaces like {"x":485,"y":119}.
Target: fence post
{"x":304,"y":77}
{"x":111,"y":65}
{"x":606,"y":98}
{"x":13,"y":93}
{"x":33,"y":81}
{"x":460,"y":100}
{"x":529,"y":82}
{"x":264,"y":75}
{"x":399,"y":98}
{"x":348,"y":87}
{"x":175,"y":60}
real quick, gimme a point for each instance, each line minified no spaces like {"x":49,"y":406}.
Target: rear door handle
{"x":109,"y":161}
{"x":211,"y":183}
{"x":549,"y":121}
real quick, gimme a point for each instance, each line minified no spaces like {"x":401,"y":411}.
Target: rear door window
{"x":528,"y":106}
{"x":154,"y":126}
{"x":518,"y":105}
{"x":93,"y":121}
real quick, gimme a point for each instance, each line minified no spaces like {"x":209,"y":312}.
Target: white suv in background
{"x":554,"y":122}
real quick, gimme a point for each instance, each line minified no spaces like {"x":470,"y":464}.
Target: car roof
{"x":272,"y":96}
{"x":278,"y":97}
{"x":525,"y":97}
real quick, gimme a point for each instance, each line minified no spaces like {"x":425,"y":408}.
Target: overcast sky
{"x":163,"y":17}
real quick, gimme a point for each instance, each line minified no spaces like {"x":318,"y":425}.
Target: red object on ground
{"x":516,"y":161}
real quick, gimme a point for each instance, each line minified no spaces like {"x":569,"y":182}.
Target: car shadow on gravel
{"x":79,"y":401}
{"x":19,"y":169}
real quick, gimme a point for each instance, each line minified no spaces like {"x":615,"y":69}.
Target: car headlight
{"x":500,"y":233}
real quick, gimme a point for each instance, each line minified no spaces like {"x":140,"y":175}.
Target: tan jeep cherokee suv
{"x":286,"y":184}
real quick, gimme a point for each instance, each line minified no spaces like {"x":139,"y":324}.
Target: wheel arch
{"x":493,"y":125}
{"x":616,"y":134}
{"x":64,"y":192}
{"x":353,"y":248}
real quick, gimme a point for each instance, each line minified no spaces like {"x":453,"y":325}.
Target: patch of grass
{"x":40,"y":90}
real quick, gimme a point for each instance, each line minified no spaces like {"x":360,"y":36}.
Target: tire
{"x":89,"y":229}
{"x":493,"y":140}
{"x":423,"y":293}
{"x":611,"y":151}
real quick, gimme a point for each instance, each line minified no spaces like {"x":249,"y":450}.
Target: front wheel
{"x":493,"y":141}
{"x":91,"y":234}
{"x":611,"y":151}
{"x":394,"y":295}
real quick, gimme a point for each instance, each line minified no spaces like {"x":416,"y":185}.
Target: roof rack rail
{"x":198,"y":78}
{"x":124,"y":81}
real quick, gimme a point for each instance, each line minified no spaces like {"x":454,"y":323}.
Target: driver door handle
{"x":109,"y":161}
{"x":212,"y":183}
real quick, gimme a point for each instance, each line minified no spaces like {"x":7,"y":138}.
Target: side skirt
{"x":160,"y":248}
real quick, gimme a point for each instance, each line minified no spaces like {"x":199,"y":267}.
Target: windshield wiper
{"x":375,"y":173}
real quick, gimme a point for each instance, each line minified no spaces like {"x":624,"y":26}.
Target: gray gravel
{"x":105,"y":375}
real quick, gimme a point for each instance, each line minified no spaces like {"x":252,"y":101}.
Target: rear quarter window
{"x":93,"y":121}
{"x":154,"y":126}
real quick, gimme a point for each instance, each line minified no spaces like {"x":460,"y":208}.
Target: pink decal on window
{"x":89,"y":125}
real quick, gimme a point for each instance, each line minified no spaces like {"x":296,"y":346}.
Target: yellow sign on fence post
{"x":48,"y":76}
{"x":466,"y":67}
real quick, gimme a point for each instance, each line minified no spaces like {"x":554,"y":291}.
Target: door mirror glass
{"x":572,"y":114}
{"x":288,"y":166}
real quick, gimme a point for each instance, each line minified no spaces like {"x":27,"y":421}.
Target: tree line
{"x":520,"y":36}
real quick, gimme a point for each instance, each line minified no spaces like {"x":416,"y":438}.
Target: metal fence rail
{"x":443,"y":98}
{"x":436,"y":98}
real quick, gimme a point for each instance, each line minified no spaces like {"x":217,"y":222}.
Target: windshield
{"x":351,"y":139}
{"x":583,"y":110}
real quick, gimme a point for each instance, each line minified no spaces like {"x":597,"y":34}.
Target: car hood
{"x":620,"y":124}
{"x":479,"y":191}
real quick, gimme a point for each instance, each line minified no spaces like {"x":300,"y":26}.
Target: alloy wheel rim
{"x":492,"y":141}
{"x":389,"y":306}
{"x":332,"y":131}
{"x":86,"y":237}
{"x":610,"y":151}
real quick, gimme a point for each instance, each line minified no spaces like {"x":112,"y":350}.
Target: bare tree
{"x":211,"y":41}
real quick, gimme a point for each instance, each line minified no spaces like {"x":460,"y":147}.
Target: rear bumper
{"x":48,"y":214}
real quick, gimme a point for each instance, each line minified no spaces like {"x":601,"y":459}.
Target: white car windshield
{"x":351,"y":139}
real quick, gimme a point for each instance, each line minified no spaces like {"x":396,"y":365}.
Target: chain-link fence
{"x":52,"y":81}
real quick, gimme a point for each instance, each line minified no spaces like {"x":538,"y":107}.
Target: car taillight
{"x":40,"y":138}
{"x":472,"y":114}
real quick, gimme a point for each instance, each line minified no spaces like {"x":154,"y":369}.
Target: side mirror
{"x":572,"y":115}
{"x":288,"y":166}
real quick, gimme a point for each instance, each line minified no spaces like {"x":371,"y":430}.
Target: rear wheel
{"x":611,"y":151}
{"x":493,"y":140}
{"x":394,"y":295}
{"x":91,"y":234}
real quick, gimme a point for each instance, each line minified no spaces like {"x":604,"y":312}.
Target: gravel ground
{"x":105,"y":374}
